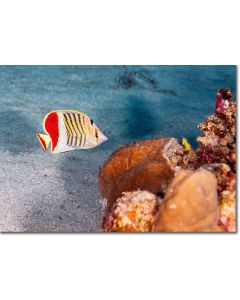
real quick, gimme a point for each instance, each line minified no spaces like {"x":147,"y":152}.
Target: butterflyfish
{"x":68,"y":130}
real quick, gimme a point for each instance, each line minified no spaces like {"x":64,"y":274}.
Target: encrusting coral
{"x":226,"y":183}
{"x":217,"y":149}
{"x":133,"y":212}
{"x":218,"y":145}
{"x":191,"y":190}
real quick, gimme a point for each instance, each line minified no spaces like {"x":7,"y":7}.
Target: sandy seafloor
{"x":41,"y":192}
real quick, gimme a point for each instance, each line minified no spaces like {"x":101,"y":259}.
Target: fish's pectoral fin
{"x":44,"y":140}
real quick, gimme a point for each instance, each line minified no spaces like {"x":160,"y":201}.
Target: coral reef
{"x":197,"y":188}
{"x":133,"y":212}
{"x":217,"y":149}
{"x":218,"y":145}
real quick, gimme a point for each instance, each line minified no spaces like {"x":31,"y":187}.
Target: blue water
{"x":43,"y":192}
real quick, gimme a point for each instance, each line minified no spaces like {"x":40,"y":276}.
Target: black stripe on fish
{"x":78,"y":118}
{"x":83,"y":118}
{"x":69,"y":132}
{"x":69,"y":123}
{"x":84,"y":124}
{"x":73,"y":130}
{"x":84,"y":133}
{"x":79,"y":134}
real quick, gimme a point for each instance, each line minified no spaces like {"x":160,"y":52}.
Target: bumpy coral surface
{"x":133,"y":212}
{"x":226,"y":181}
{"x":218,"y":145}
{"x":180,"y":157}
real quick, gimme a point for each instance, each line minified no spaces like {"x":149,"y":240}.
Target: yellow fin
{"x":186,"y":144}
{"x":44,"y":140}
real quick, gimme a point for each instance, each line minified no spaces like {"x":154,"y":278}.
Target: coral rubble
{"x":188,"y":190}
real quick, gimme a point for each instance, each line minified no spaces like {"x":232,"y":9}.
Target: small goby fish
{"x":186,"y":144}
{"x":68,"y":130}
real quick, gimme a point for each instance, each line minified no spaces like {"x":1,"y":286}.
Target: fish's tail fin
{"x":44,"y":140}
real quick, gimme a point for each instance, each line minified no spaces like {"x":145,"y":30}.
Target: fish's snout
{"x":103,"y":138}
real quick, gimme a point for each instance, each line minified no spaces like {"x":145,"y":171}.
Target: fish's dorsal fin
{"x":44,"y":140}
{"x":67,"y":110}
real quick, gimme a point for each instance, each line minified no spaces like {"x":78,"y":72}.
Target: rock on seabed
{"x":190,"y":203}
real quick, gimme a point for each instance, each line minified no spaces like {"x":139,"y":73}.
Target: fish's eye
{"x":96,"y":134}
{"x":91,"y":121}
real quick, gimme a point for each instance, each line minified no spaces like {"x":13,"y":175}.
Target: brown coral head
{"x":142,"y":165}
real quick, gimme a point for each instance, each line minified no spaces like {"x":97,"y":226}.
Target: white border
{"x":174,"y":266}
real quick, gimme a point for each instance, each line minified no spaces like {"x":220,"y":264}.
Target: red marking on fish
{"x":42,"y":141}
{"x":51,"y":126}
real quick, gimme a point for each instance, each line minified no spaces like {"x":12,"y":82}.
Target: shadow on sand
{"x":142,"y":122}
{"x":16,"y":134}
